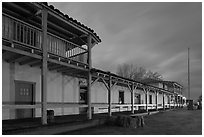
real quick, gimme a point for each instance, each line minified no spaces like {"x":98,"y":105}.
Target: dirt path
{"x":178,"y":122}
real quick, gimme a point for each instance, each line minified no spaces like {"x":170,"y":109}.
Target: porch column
{"x":89,"y":77}
{"x":109,"y":97}
{"x":156,"y":97}
{"x":174,"y":100}
{"x":44,"y":68}
{"x":147,"y":93}
{"x":169,"y":99}
{"x":163,"y":101}
{"x":132,"y":98}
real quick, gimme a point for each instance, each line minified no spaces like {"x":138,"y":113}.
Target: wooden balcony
{"x":22,"y":43}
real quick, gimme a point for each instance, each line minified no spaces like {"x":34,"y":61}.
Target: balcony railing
{"x":26,"y":34}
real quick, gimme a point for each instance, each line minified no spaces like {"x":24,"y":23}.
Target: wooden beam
{"x":63,"y":69}
{"x":66,"y":64}
{"x":114,"y":84}
{"x":25,"y":53}
{"x":156,"y":99}
{"x":36,"y":64}
{"x":29,"y":60}
{"x":20,"y":106}
{"x":89,"y":77}
{"x":129,"y":88}
{"x":68,"y":70}
{"x":146,"y":99}
{"x":22,"y":58}
{"x":104,"y":82}
{"x":51,"y":64}
{"x":54,"y":67}
{"x":163,"y":101}
{"x":75,"y":75}
{"x":49,"y":105}
{"x":34,"y":61}
{"x":44,"y":68}
{"x":13,"y":58}
{"x":109,"y":97}
{"x":94,"y":81}
{"x":132,"y":99}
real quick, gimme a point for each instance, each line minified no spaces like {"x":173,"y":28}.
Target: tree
{"x":200,"y":98}
{"x":200,"y":102}
{"x":137,"y":73}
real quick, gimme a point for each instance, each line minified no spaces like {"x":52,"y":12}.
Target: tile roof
{"x":72,"y":20}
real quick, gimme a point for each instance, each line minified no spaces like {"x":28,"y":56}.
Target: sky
{"x":149,"y":34}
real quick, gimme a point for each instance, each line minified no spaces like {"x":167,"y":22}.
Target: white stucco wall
{"x":99,"y":93}
{"x":60,"y":88}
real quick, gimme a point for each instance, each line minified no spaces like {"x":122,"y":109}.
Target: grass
{"x":177,"y":122}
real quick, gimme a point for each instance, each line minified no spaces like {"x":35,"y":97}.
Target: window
{"x":83,"y":95}
{"x":121,"y":97}
{"x":150,"y":99}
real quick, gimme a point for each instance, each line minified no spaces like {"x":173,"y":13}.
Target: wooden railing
{"x":19,"y":31}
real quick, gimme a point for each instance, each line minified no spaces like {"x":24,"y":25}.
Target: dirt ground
{"x":177,"y":122}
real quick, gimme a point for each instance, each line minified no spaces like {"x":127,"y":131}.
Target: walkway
{"x":177,"y":122}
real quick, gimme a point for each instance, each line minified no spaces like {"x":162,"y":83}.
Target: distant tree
{"x":200,"y":98}
{"x":153,"y":75}
{"x":137,"y":73}
{"x":200,"y":102}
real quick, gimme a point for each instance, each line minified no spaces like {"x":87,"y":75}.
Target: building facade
{"x":46,"y":65}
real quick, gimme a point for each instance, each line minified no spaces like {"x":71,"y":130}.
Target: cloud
{"x":153,"y":35}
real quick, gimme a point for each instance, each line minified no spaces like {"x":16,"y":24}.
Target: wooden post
{"x":174,"y":101}
{"x":44,"y":68}
{"x":163,"y":102}
{"x":89,"y":77}
{"x":147,"y":92}
{"x":132,"y":98}
{"x":109,"y":97}
{"x":156,"y":97}
{"x":169,"y":101}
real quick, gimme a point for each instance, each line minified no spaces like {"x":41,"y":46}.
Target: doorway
{"x":24,"y":95}
{"x":121,"y":97}
{"x":137,"y":98}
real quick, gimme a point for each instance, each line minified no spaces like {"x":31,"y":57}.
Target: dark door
{"x":121,"y":97}
{"x":137,"y":98}
{"x":150,"y":99}
{"x":83,"y":99}
{"x":24,"y":96}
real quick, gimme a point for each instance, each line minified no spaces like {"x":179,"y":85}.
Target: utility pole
{"x":188,"y":73}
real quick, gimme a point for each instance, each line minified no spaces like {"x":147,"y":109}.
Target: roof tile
{"x":71,"y":19}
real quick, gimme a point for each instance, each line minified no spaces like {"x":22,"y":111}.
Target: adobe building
{"x":47,"y":65}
